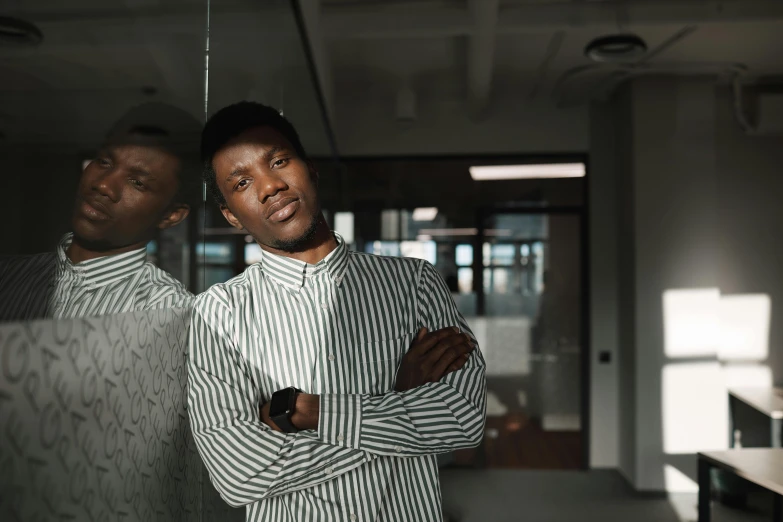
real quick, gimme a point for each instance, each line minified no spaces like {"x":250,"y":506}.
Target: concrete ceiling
{"x":100,"y":57}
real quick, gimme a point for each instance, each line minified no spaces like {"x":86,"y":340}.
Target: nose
{"x":268,"y":185}
{"x":108,"y":184}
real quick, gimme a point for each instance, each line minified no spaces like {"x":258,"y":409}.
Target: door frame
{"x":581,"y":212}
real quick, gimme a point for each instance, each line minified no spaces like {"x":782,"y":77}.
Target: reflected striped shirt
{"x":49,"y":285}
{"x":337,"y":329}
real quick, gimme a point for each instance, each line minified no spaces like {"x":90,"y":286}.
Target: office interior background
{"x":607,"y":216}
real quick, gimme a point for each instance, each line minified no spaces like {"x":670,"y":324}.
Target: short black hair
{"x":169,"y":128}
{"x":231,"y":121}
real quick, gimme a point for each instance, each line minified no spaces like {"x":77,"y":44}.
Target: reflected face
{"x":125,"y":194}
{"x":269,"y":190}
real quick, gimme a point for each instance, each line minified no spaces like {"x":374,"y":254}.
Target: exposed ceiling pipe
{"x":612,"y":75}
{"x":555,"y":43}
{"x":617,"y":75}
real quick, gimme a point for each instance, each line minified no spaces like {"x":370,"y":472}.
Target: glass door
{"x":526,"y":309}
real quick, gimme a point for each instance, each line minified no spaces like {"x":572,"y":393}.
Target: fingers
{"x":448,"y":352}
{"x":450,"y":362}
{"x":421,"y":334}
{"x":424,"y":343}
{"x":457,"y":365}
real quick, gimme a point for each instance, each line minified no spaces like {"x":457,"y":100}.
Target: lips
{"x":282,"y":209}
{"x":94,"y":210}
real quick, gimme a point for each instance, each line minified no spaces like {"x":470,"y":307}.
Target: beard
{"x":300,"y":243}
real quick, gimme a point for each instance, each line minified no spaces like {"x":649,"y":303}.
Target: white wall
{"x":604,"y":171}
{"x":750,"y":182}
{"x":697,"y":207}
{"x":675,"y":240}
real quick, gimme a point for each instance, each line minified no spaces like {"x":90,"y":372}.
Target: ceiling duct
{"x":18,"y":32}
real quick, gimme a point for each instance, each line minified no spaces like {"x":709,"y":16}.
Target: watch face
{"x":279,"y":405}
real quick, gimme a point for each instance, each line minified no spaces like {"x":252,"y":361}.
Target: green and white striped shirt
{"x":337,"y":329}
{"x":50,"y":286}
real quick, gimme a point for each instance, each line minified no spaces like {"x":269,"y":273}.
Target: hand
{"x":432,"y":356}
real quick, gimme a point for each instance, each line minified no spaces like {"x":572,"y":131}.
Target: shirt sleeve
{"x":434,"y":418}
{"x":247,"y":461}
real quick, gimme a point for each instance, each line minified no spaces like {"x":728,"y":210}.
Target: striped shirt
{"x":50,"y":286}
{"x":337,"y":329}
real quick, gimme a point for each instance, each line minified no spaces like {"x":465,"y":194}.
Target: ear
{"x":314,"y":174}
{"x":230,"y":217}
{"x":174,"y":216}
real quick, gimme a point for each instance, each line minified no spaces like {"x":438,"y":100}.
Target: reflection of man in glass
{"x":133,"y":188}
{"x":387,"y":379}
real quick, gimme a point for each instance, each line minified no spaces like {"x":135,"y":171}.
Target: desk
{"x":761,"y":466}
{"x":747,"y":409}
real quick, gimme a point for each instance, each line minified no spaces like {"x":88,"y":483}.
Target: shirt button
{"x":338,"y":279}
{"x":340,"y":438}
{"x":331,"y":357}
{"x":325,"y":306}
{"x":352,"y":517}
{"x":398,"y":449}
{"x":329,"y":471}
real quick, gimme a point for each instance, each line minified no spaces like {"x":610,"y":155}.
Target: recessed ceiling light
{"x":616,"y":48}
{"x":544,"y":171}
{"x":425,"y":213}
{"x":14,"y":31}
{"x":446,"y":232}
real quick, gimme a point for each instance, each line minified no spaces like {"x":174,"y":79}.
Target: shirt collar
{"x":101,"y":270}
{"x":293,"y":273}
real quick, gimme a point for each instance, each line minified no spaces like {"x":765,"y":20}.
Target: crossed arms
{"x":438,"y":405}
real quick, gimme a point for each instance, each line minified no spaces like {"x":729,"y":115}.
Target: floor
{"x":562,"y":496}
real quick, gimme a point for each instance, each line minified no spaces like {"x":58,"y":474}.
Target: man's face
{"x":269,"y":190}
{"x":125,"y":194}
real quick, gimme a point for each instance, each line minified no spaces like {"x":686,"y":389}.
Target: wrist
{"x":306,"y":412}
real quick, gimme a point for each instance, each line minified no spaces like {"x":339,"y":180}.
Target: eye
{"x":242,"y":184}
{"x":137,"y":183}
{"x":281,"y":162}
{"x":103,"y":162}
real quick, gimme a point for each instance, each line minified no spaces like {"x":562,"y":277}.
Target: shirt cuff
{"x":340,"y":420}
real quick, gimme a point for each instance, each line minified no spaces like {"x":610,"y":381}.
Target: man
{"x":133,"y":188}
{"x":359,"y":441}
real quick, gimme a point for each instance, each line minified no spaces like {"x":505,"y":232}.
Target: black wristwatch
{"x":282,"y":407}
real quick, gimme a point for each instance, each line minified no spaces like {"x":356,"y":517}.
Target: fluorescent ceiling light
{"x":444,"y":232}
{"x":543,"y":171}
{"x":424,"y":213}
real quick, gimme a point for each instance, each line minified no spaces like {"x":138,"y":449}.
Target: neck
{"x":320,"y":246}
{"x":79,"y":251}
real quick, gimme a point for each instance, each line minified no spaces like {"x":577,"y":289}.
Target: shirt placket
{"x":326,"y":357}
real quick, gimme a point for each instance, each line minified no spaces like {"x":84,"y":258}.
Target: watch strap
{"x":283,"y":421}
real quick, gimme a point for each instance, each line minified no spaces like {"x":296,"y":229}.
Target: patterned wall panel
{"x":93,"y":421}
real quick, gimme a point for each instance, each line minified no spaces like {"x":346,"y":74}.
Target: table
{"x":763,"y":402}
{"x":761,"y":466}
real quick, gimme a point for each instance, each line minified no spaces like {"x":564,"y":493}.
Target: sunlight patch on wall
{"x":744,"y":327}
{"x":690,"y":322}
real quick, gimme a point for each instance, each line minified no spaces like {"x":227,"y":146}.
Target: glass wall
{"x":90,"y":89}
{"x":103,"y":208}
